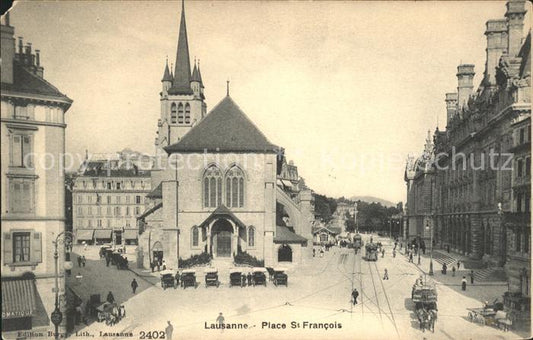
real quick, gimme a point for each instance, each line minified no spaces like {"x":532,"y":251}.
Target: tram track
{"x":393,"y":320}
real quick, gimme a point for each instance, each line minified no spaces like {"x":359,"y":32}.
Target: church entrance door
{"x":222,"y":234}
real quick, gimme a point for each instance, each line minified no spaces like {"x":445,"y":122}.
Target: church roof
{"x":195,"y":74}
{"x":225,"y":129}
{"x":222,"y":211}
{"x":26,"y":82}
{"x":182,"y":70}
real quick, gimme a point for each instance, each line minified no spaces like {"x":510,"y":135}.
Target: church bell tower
{"x":182,"y":95}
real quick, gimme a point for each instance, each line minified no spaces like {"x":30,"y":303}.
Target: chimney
{"x":465,"y":84}
{"x":7,"y":55}
{"x":515,"y":22}
{"x":39,"y":70}
{"x":37,"y":57}
{"x":451,"y":106}
{"x":496,"y":45}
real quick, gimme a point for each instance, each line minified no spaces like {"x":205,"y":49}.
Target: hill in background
{"x":371,"y":199}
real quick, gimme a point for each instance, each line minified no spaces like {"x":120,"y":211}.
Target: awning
{"x":18,"y":298}
{"x":285,"y":235}
{"x":130,"y":234}
{"x":84,"y":234}
{"x":102,"y":233}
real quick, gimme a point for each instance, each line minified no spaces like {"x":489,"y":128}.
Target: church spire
{"x":166,"y":74}
{"x":182,"y":70}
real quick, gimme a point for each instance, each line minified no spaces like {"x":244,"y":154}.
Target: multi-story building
{"x":107,"y":197}
{"x":474,"y":194}
{"x":33,"y":192}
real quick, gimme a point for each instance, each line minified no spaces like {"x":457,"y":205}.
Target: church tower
{"x":182,"y":95}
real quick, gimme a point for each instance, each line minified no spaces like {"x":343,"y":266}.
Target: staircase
{"x":443,"y":258}
{"x":491,"y":274}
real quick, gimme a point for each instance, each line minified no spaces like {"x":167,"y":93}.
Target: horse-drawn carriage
{"x":280,"y":277}
{"x":491,"y":315}
{"x":424,"y":296}
{"x":211,"y":277}
{"x":110,"y":313}
{"x":167,"y":279}
{"x":104,"y":250}
{"x":371,"y":252}
{"x":188,"y":278}
{"x":357,"y":242}
{"x":258,"y":276}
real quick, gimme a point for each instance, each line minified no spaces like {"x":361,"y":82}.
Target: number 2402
{"x":152,"y":335}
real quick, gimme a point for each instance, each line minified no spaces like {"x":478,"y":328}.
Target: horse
{"x":423,"y":318}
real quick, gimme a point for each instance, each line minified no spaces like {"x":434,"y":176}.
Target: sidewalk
{"x":481,"y":291}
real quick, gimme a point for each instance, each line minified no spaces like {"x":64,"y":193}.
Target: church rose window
{"x":212,"y":187}
{"x":235,"y":188}
{"x":173,"y":114}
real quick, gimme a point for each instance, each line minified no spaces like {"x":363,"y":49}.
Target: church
{"x":219,"y":187}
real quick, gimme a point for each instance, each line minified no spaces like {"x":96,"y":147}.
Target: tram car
{"x":188,"y":278}
{"x":235,"y":278}
{"x":371,"y":252}
{"x":211,"y":277}
{"x":357,"y":242}
{"x":280,"y":277}
{"x":258,"y":276}
{"x":167,"y":279}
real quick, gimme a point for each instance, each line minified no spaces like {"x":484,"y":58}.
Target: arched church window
{"x":195,"y":236}
{"x":212,"y":183}
{"x":251,"y":236}
{"x":235,"y":188}
{"x":173,"y":113}
{"x":180,"y":114}
{"x":187,"y":114}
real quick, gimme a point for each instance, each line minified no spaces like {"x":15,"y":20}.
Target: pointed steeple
{"x":182,"y":71}
{"x":195,"y":74}
{"x":166,"y":74}
{"x":200,"y":74}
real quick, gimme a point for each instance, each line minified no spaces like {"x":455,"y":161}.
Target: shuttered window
{"x":21,"y":193}
{"x":22,"y":247}
{"x":21,"y":150}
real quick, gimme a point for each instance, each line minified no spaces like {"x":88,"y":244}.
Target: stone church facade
{"x":217,"y":189}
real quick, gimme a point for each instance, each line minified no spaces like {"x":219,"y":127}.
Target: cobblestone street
{"x":319,"y":292}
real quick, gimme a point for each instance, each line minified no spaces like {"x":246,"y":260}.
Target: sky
{"x":349,"y":89}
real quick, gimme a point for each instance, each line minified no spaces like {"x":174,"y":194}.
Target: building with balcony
{"x":33,"y":193}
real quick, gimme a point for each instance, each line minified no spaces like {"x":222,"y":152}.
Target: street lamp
{"x":66,"y":240}
{"x":430,"y":226}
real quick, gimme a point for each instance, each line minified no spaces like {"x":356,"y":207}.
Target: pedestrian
{"x":134,"y":285}
{"x":249,"y":277}
{"x":472,"y":277}
{"x":220,"y":321}
{"x":83,"y":260}
{"x":370,"y":239}
{"x":355,"y":295}
{"x":383,"y":252}
{"x":84,"y":245}
{"x":463,"y":283}
{"x":453,"y":271}
{"x":177,"y":280}
{"x":458,"y":264}
{"x":401,"y":245}
{"x":110,"y":297}
{"x":444,"y":267}
{"x":386,"y":275}
{"x":411,"y":257}
{"x":168,"y":330}
{"x":164,"y":265}
{"x":107,"y":260}
{"x":79,"y":261}
{"x":395,"y":244}
{"x":394,"y":253}
{"x":314,"y":251}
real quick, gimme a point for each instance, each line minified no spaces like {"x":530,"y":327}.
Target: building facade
{"x":108,"y":195}
{"x":474,"y":194}
{"x":223,"y":181}
{"x":33,"y":193}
